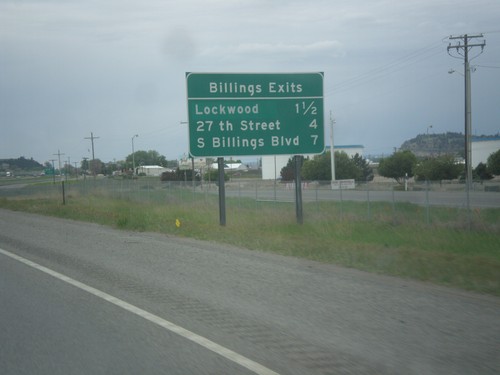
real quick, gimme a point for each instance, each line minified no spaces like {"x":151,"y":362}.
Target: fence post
{"x":222,"y":192}
{"x":274,"y":190}
{"x":63,"y":193}
{"x":393,"y":205}
{"x":341,"y":203}
{"x":368,"y":200}
{"x":427,"y":202}
{"x":298,"y":190}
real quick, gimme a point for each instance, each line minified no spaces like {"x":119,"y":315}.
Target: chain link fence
{"x":426,"y":202}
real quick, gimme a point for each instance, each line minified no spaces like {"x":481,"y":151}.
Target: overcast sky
{"x":117,"y":68}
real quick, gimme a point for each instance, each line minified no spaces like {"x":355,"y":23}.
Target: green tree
{"x":90,"y":166}
{"x":180,"y":175}
{"x":85,"y":166}
{"x":364,"y":166}
{"x":96,"y":166}
{"x":346,"y":168}
{"x":213,"y":176}
{"x":493,"y":163}
{"x":398,"y":165}
{"x":150,"y":157}
{"x":438,"y":168}
{"x":317,"y":168}
{"x":481,"y":172}
{"x":287,"y":173}
{"x":110,"y":167}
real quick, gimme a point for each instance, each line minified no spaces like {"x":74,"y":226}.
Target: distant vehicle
{"x":8,"y":174}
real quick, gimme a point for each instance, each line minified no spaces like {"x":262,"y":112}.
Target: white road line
{"x":204,"y":342}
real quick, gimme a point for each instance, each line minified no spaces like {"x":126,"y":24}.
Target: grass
{"x":404,"y":241}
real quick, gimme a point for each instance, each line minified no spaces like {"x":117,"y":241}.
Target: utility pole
{"x":93,"y":157}
{"x":68,"y":170}
{"x":53,"y":172}
{"x":462,"y":49}
{"x":59,"y":160}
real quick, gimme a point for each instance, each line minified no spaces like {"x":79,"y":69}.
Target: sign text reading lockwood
{"x":255,"y":114}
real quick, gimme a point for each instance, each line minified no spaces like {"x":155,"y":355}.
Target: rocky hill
{"x":20,"y":164}
{"x":436,"y":144}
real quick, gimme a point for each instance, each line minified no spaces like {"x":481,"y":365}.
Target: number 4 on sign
{"x":313,"y":124}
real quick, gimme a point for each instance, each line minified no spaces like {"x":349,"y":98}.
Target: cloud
{"x":277,"y":51}
{"x":326,"y":47}
{"x":180,"y":45}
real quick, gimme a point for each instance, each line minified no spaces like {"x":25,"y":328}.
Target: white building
{"x":481,"y":148}
{"x":272,"y":165}
{"x":152,"y":170}
{"x":228,"y":166}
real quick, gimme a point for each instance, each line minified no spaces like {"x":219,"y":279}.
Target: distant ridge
{"x":20,"y":164}
{"x":440,"y":144}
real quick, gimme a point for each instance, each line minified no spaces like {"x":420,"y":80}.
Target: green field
{"x":390,"y":240}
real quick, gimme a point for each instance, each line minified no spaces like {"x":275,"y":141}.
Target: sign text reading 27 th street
{"x":255,"y":114}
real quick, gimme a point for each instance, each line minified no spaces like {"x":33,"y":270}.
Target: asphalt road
{"x":101,"y":301}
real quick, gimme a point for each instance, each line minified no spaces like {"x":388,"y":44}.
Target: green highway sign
{"x":231,"y":114}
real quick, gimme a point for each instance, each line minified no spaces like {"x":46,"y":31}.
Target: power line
{"x":388,"y":69}
{"x":399,"y":64}
{"x":488,"y":66}
{"x":59,"y":159}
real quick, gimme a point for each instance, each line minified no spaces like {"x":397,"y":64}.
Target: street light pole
{"x":332,"y":148}
{"x":133,"y":153}
{"x":93,"y":156}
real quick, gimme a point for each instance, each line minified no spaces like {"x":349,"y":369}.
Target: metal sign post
{"x":298,"y":190}
{"x":222,"y":192}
